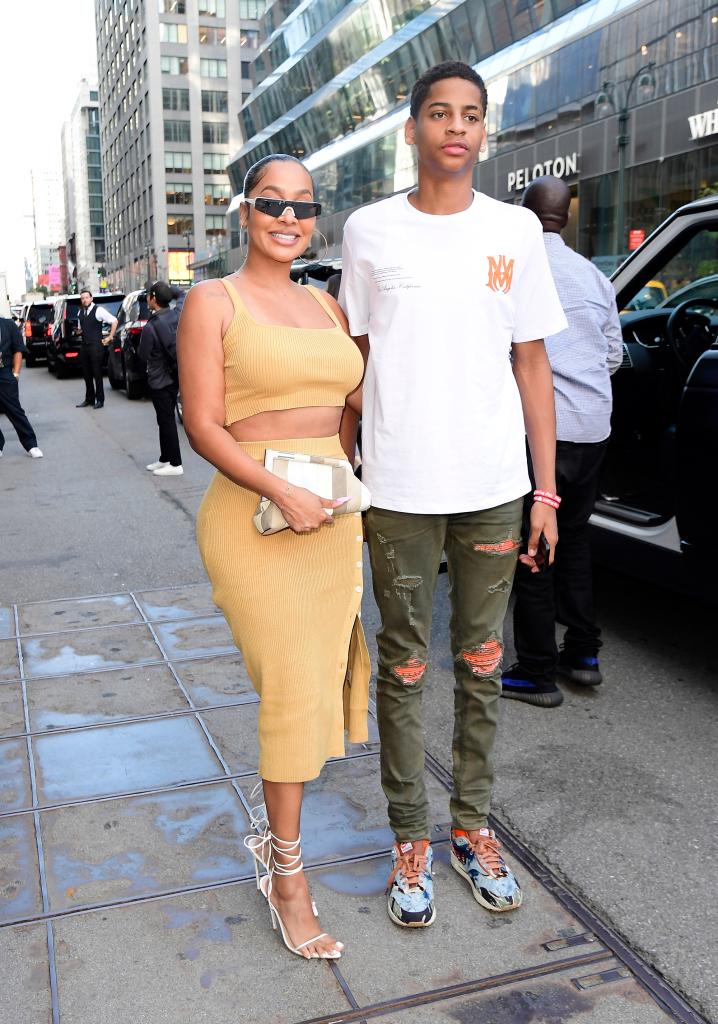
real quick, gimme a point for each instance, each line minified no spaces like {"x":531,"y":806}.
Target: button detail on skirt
{"x":358,"y":590}
{"x":359,"y":537}
{"x":359,"y":565}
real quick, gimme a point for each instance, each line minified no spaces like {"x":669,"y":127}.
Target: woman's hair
{"x":257,"y":171}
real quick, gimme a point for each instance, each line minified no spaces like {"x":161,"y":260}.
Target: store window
{"x":180,"y":224}
{"x":175,"y":99}
{"x":216,"y":195}
{"x":178,"y":192}
{"x":211,"y":68}
{"x":213,"y":8}
{"x":173,"y":65}
{"x":251,"y":10}
{"x":215,"y":225}
{"x":209,"y":36}
{"x":249,"y":37}
{"x":177,"y":131}
{"x":215,"y":163}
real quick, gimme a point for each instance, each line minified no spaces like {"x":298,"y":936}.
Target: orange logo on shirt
{"x":501,"y":272}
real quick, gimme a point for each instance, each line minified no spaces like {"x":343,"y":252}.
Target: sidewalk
{"x":126,"y":895}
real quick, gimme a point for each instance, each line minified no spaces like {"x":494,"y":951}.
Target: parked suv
{"x":659,"y":489}
{"x":124,"y":369}
{"x":37,"y":330}
{"x":63,"y":349}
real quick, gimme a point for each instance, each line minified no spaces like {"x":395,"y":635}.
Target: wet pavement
{"x":128,"y":754}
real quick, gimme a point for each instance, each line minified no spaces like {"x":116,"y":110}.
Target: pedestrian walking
{"x":262,"y":357}
{"x":92,"y":348}
{"x":12,"y":348}
{"x":158,"y":350}
{"x":582,"y":358}
{"x":443,"y":287}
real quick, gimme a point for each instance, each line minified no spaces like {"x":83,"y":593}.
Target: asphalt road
{"x":615,"y":790}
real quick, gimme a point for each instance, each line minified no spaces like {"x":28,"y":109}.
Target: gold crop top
{"x":269,"y":367}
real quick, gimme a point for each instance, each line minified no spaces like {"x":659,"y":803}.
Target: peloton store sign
{"x":561,"y":167}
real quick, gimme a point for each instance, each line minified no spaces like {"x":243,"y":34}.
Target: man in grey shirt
{"x":582,"y":359}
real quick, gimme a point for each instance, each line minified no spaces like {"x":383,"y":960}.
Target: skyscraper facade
{"x":173,"y":75}
{"x":82,"y":180}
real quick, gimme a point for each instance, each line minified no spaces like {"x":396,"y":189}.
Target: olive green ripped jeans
{"x":405,"y":549}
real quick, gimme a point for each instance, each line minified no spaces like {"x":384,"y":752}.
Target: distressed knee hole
{"x":408,"y":582}
{"x":410,"y":672}
{"x":485,"y":659}
{"x":499,"y":588}
{"x":503,"y":547}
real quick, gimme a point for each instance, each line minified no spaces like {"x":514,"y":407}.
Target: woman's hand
{"x":306,"y":511}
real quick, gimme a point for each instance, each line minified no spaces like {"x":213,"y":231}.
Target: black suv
{"x":659,"y":489}
{"x":37,"y":330}
{"x":124,"y":369}
{"x":63,"y":347}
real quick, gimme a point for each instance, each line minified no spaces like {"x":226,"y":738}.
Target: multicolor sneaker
{"x":519,"y":685}
{"x":579,"y":668}
{"x":479,"y":861}
{"x":410,"y":887}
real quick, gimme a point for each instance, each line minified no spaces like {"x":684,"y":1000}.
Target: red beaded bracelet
{"x":547,"y":498}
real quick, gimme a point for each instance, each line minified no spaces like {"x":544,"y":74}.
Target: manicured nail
{"x":342,"y":501}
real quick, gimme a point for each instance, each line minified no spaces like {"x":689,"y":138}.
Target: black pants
{"x":91,"y":357}
{"x":164,"y":401}
{"x":10,"y":405}
{"x":564,"y":592}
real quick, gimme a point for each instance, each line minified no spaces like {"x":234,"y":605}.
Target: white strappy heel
{"x":290,"y":850}
{"x":258,"y":844}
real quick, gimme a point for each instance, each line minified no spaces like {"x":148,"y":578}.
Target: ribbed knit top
{"x":269,"y":367}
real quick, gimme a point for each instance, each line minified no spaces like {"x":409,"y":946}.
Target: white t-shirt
{"x":442,"y":298}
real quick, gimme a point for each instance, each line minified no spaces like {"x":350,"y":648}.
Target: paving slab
{"x":86,"y":650}
{"x":19,"y":872}
{"x":466,"y":942}
{"x":51,"y":616}
{"x":194,"y":638}
{"x":25,"y":974}
{"x":121,"y":849}
{"x":222,"y":680}
{"x":204,"y":958}
{"x":344,"y":810}
{"x":9,"y":667}
{"x":15,"y":789}
{"x":12,"y":718}
{"x":553,"y":1000}
{"x":88,"y":698}
{"x":178,"y":603}
{"x":122,"y":759}
{"x":7,"y":623}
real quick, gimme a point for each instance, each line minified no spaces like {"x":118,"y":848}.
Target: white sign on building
{"x":703,"y":124}
{"x":561,"y":167}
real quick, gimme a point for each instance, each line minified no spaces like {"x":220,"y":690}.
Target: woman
{"x":267,"y":363}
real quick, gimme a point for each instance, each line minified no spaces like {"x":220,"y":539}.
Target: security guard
{"x":90,"y":322}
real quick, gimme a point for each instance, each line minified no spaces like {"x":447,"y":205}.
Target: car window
{"x":111,"y":305}
{"x":40,"y":314}
{"x":72,"y":306}
{"x":694,"y":264}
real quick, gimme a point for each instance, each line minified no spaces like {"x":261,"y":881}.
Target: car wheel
{"x":60,"y":371}
{"x":115,"y":382}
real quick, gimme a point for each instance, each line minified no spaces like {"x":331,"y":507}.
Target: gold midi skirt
{"x":292,"y":602}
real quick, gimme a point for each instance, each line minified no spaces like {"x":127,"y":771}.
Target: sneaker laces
{"x":485,"y":847}
{"x":411,"y":863}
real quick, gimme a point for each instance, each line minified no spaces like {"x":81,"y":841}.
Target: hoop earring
{"x":312,"y":260}
{"x":242,"y":248}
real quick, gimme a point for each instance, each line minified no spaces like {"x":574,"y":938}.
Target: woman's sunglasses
{"x":276,"y":207}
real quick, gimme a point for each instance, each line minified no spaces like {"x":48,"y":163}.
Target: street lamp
{"x":609,"y":100}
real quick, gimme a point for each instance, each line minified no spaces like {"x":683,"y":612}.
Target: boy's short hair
{"x":161,"y":292}
{"x":449,"y":69}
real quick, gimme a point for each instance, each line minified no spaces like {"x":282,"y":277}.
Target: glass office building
{"x":333,"y":80}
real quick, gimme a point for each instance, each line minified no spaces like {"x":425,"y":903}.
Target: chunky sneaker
{"x":34,"y":453}
{"x":479,"y":861}
{"x":156,"y":465}
{"x":518,"y":685}
{"x":410,"y":887}
{"x":168,"y":470}
{"x":579,"y":668}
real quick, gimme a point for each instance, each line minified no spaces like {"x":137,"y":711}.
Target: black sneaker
{"x":518,"y":685}
{"x":579,"y":668}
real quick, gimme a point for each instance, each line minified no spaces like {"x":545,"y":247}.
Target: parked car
{"x":63,"y":349}
{"x":37,"y":329}
{"x":659,"y":490}
{"x":124,"y":369}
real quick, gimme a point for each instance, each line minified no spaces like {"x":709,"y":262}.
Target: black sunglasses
{"x":276,"y":207}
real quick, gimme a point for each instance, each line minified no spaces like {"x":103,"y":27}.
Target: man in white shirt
{"x":448,"y":294}
{"x":90,"y":323}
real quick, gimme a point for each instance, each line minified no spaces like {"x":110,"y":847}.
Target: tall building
{"x":173,"y":75}
{"x":82,"y":178}
{"x":563,"y":76}
{"x":48,"y":220}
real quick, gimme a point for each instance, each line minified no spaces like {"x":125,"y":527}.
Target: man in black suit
{"x":90,"y":323}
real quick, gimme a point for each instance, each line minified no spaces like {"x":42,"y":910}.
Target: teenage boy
{"x":448,"y":294}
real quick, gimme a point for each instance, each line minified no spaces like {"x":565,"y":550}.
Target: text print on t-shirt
{"x":501,"y":274}
{"x":394,"y":279}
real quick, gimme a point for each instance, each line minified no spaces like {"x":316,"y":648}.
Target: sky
{"x":46,"y":48}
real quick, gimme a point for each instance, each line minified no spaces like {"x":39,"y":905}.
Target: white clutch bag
{"x":328,"y":478}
